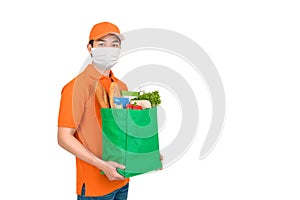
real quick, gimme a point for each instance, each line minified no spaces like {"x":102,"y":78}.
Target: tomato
{"x":134,"y":107}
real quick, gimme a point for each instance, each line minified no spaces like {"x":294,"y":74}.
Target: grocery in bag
{"x":130,"y":131}
{"x":130,"y":137}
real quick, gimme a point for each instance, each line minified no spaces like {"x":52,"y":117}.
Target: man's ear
{"x":89,"y":48}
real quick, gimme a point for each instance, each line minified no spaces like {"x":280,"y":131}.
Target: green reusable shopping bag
{"x":130,"y":137}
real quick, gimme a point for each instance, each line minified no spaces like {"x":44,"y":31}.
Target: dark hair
{"x":91,"y":42}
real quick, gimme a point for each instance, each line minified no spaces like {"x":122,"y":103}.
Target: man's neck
{"x":101,"y":71}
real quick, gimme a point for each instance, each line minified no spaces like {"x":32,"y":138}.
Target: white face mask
{"x":105,"y":57}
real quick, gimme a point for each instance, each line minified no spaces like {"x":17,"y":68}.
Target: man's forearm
{"x":67,"y":141}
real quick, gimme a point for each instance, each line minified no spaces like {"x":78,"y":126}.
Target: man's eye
{"x":101,"y":44}
{"x":116,"y":45}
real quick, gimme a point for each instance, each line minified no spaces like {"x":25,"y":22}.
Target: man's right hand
{"x":110,"y":170}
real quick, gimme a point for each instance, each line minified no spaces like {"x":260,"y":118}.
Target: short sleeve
{"x":65,"y":117}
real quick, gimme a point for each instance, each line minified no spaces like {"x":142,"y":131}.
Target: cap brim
{"x":120,"y":36}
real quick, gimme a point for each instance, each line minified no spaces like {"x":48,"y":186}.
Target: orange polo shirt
{"x":80,"y":109}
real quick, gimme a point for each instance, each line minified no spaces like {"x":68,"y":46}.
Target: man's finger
{"x":116,"y":165}
{"x":119,"y":177}
{"x":121,"y":166}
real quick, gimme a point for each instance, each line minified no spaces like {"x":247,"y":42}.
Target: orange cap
{"x":101,"y":29}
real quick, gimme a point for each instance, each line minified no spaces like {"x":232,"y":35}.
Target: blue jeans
{"x":119,"y":194}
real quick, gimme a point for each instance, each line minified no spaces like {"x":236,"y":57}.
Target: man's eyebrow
{"x":102,"y":40}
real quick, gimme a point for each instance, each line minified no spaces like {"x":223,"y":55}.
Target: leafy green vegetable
{"x":153,"y":97}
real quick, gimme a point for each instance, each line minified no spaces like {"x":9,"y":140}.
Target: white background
{"x":255,"y":46}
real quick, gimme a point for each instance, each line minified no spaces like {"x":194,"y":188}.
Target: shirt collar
{"x":95,"y":74}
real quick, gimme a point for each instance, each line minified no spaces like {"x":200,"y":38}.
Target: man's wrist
{"x":100,"y":164}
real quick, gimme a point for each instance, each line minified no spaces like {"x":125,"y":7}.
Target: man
{"x":79,"y":121}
